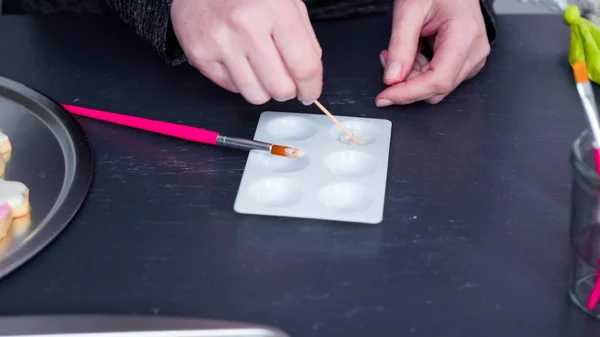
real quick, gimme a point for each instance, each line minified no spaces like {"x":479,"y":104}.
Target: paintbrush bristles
{"x":330,"y":115}
{"x":286,"y":151}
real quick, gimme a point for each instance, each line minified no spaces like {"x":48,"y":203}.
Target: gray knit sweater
{"x":151,"y":18}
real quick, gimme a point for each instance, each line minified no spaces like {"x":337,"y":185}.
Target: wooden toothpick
{"x":325,"y":111}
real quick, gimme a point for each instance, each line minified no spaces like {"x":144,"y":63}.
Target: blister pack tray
{"x":335,"y":180}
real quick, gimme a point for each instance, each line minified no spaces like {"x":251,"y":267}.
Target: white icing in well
{"x":3,"y":137}
{"x":12,"y":193}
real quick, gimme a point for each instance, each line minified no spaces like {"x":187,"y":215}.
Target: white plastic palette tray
{"x":335,"y":180}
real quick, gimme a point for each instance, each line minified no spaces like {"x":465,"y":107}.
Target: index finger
{"x":408,"y":20}
{"x":450,"y":53}
{"x":307,"y":24}
{"x":297,"y":50}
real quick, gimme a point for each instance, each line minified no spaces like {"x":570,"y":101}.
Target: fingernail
{"x":382,"y":60}
{"x":393,"y":70}
{"x":284,"y":99}
{"x":383,"y":102}
{"x":307,"y":103}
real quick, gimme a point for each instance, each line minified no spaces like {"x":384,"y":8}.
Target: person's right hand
{"x":262,"y":49}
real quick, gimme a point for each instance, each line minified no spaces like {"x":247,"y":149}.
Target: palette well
{"x":336,"y":179}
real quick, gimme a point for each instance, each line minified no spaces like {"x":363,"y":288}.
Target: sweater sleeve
{"x":151,"y":20}
{"x":489,"y":15}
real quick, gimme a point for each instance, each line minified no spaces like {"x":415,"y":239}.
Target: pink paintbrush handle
{"x":595,"y":295}
{"x":169,"y":129}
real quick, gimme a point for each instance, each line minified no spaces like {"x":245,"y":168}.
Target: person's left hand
{"x":460,"y":47}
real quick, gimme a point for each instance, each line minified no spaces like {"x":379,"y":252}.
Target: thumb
{"x":409,"y":17}
{"x":383,"y":58}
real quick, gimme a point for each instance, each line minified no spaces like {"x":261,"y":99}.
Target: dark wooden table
{"x":474,"y":239}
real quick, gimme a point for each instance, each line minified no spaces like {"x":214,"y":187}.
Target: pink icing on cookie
{"x":4,"y":211}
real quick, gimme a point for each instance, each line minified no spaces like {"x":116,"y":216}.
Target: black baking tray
{"x":52,"y":156}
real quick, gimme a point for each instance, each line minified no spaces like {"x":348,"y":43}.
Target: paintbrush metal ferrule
{"x":242,"y":144}
{"x":249,"y":145}
{"x":585,"y":89}
{"x":589,"y":104}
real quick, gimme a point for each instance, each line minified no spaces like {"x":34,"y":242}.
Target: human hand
{"x":458,"y":36}
{"x":262,"y":49}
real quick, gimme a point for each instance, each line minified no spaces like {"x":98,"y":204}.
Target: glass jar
{"x":584,"y":278}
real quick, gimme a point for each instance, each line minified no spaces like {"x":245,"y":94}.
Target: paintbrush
{"x":586,"y":93}
{"x":190,"y":133}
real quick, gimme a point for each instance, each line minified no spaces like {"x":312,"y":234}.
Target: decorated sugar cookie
{"x":16,"y":195}
{"x":6,"y":156}
{"x":2,"y":166}
{"x":6,"y":244}
{"x":20,"y":226}
{"x":5,"y":145}
{"x":5,"y":219}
